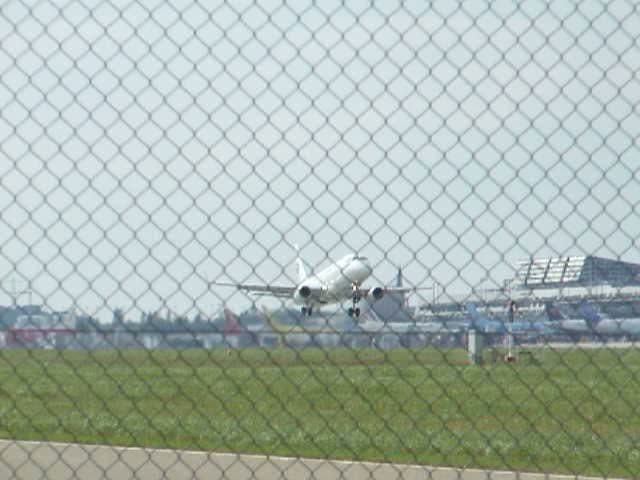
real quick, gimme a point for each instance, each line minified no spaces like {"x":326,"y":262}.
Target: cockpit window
{"x":362,"y":259}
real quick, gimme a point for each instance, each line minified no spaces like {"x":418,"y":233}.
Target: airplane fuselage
{"x":333,"y":284}
{"x":605,"y":326}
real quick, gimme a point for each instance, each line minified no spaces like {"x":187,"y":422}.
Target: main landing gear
{"x":355,"y":310}
{"x":307,"y":311}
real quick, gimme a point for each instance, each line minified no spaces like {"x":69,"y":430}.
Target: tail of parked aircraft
{"x":553,"y":312}
{"x":273,"y":322}
{"x":471,"y":310}
{"x":483,"y":321}
{"x":590,"y":313}
{"x":231,"y":322}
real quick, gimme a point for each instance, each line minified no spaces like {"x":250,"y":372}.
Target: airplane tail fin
{"x":231,"y":323}
{"x":272,"y":320}
{"x":553,"y":313}
{"x":590,"y":313}
{"x":302,"y":273}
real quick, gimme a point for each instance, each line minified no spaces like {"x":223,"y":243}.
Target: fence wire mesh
{"x":461,"y":179}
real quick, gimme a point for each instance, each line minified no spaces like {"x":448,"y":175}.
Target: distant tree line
{"x":148,"y":321}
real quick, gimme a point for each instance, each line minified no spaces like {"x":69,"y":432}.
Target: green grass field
{"x":573,"y":411}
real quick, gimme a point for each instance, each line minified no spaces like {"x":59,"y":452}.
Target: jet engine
{"x":376,"y":293}
{"x":304,"y":291}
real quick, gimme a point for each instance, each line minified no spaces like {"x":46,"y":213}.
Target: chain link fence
{"x":171,"y":174}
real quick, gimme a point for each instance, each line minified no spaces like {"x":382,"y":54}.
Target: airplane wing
{"x":392,"y":290}
{"x":364,"y":292}
{"x":266,"y":290}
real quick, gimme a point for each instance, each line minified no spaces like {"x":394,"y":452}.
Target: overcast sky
{"x":149,"y":147}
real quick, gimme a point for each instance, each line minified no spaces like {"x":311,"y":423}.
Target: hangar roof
{"x":575,"y":271}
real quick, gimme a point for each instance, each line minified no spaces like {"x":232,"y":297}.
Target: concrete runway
{"x":58,"y":461}
{"x":581,"y":345}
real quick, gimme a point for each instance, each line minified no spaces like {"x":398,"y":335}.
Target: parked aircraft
{"x":231,"y":323}
{"x":483,"y":322}
{"x":537,"y":324}
{"x":342,"y":280}
{"x":595,"y":322}
{"x":486,"y":324}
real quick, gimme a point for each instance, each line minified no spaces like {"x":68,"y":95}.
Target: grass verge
{"x":570,"y":411}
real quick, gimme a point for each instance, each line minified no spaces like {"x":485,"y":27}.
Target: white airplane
{"x":340,"y":281}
